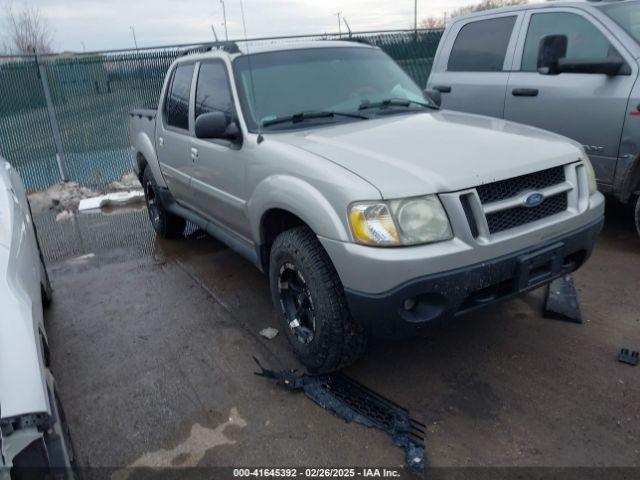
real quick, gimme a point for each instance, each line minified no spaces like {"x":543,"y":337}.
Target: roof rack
{"x":229,"y":47}
{"x":362,"y":40}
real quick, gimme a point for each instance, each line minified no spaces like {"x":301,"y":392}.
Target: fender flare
{"x":630,"y":182}
{"x":145,"y":147}
{"x":299,"y":198}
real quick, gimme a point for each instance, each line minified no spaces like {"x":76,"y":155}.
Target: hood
{"x":416,"y":154}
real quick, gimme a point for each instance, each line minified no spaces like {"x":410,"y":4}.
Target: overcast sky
{"x":105,"y":24}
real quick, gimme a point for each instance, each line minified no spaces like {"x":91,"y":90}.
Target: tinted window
{"x":481,"y":46}
{"x":585,"y":41}
{"x":212,"y":90}
{"x":277,"y":84}
{"x":177,"y":103}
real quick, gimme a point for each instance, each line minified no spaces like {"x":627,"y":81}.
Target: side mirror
{"x":434,"y":96}
{"x":552,"y":48}
{"x":216,"y":125}
{"x":608,"y":66}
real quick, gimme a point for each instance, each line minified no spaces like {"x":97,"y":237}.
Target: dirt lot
{"x":152,"y":344}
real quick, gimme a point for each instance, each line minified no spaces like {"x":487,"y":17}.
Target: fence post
{"x":57,"y":138}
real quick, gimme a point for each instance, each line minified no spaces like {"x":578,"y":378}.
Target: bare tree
{"x":27,"y":30}
{"x":438,"y":22}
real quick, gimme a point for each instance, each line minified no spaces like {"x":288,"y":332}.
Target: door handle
{"x":194,"y":153}
{"x":161,"y":141}
{"x":442,"y":88}
{"x":525,"y":92}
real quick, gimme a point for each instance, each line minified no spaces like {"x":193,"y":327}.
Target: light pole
{"x":224,"y":16}
{"x":135,"y":41}
{"x":215,"y":35}
{"x":415,"y":16}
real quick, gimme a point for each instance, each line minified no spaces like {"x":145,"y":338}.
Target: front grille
{"x":493,"y":192}
{"x":514,"y":217}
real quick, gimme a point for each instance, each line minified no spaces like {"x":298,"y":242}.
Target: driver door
{"x":589,"y":108}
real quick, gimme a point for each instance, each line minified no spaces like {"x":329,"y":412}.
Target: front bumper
{"x":458,"y":291}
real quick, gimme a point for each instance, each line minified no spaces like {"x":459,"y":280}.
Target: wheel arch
{"x":284,"y":202}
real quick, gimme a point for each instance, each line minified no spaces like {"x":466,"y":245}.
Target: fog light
{"x":410,"y":304}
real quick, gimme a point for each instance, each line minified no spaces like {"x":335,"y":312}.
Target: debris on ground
{"x":269,"y":333}
{"x":353,"y":402}
{"x":113,"y":199}
{"x":63,"y":216}
{"x":68,"y":195}
{"x":60,"y":197}
{"x":629,"y":357}
{"x":129,"y":181}
{"x":562,"y":300}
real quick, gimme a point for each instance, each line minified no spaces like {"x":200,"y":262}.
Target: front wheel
{"x":311,"y":304}
{"x":165,"y":223}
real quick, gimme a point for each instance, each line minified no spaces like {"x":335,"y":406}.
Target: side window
{"x":481,"y":46}
{"x":213,"y":93}
{"x":585,"y":41}
{"x":176,"y":107}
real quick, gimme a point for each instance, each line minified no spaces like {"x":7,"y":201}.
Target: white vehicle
{"x":34,"y":438}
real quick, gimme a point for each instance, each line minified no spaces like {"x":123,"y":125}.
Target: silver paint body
{"x":316,"y":173}
{"x":592,"y":109}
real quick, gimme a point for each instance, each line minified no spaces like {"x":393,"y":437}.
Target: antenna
{"x":253,"y":87}
{"x":344,"y":19}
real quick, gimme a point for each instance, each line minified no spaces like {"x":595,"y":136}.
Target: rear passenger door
{"x":589,"y":108}
{"x":473,"y":71}
{"x":173,"y":142}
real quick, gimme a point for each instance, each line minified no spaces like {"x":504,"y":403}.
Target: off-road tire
{"x":338,"y":339}
{"x":165,"y":223}
{"x":638,"y":215}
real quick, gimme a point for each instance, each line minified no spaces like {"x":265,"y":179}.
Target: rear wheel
{"x":165,"y":223}
{"x":311,"y":304}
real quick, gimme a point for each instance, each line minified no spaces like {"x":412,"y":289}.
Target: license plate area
{"x":540,"y":266}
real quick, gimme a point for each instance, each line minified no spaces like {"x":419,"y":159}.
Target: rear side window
{"x":176,"y":107}
{"x":481,"y":46}
{"x":585,"y":41}
{"x":213,"y":93}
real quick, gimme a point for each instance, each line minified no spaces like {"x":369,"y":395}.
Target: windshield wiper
{"x":302,"y":116}
{"x":394,"y":102}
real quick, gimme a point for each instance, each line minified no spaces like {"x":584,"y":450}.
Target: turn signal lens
{"x":372,"y":224}
{"x":591,"y":175}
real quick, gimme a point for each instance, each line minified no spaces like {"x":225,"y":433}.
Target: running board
{"x":213,"y":229}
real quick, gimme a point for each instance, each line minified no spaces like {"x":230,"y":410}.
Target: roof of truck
{"x":556,"y":4}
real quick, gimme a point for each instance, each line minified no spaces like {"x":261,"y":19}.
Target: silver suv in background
{"x":567,"y":67}
{"x":370,"y":210}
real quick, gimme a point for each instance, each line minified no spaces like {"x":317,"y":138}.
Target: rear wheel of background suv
{"x":638,"y":215}
{"x":310,"y":301}
{"x":165,"y":223}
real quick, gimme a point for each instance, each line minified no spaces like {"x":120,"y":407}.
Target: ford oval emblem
{"x":534,"y":200}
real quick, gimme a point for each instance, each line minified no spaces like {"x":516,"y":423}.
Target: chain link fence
{"x":66,"y":116}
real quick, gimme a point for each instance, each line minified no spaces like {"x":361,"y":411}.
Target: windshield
{"x":626,"y":15}
{"x":337,"y":79}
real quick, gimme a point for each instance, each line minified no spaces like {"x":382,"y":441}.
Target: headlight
{"x":591,"y":175}
{"x":372,"y":224}
{"x":412,"y":221}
